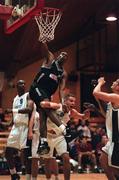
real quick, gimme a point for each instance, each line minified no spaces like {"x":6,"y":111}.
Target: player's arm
{"x":102,"y":108}
{"x":30,"y":126}
{"x":47,"y":55}
{"x":107,"y":97}
{"x":62,"y":86}
{"x":48,"y":104}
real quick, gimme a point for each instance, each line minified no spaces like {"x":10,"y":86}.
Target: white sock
{"x":43,"y":139}
{"x":79,"y":167}
{"x":13,"y":171}
{"x":28,"y":176}
{"x":62,"y":128}
{"x":95,"y":166}
{"x":73,"y":162}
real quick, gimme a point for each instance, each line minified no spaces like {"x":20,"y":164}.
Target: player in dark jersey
{"x":50,"y":76}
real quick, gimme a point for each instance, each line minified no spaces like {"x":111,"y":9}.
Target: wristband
{"x":15,"y":110}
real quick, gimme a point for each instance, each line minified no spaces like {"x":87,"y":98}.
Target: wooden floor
{"x":73,"y":177}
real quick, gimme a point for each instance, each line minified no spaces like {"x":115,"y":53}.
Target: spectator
{"x":86,"y":151}
{"x":84,"y":128}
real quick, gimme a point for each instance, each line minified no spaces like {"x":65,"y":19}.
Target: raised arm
{"x":107,"y":97}
{"x":47,"y":55}
{"x":62,"y":87}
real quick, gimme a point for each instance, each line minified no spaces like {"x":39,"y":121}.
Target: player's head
{"x":21,"y":87}
{"x":115,"y":86}
{"x":70,"y":100}
{"x":61,"y":59}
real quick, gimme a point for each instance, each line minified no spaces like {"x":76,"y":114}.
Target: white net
{"x":47,"y":21}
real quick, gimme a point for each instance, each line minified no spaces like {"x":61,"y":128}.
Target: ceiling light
{"x":111,"y":18}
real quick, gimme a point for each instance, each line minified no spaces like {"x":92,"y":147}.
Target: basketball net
{"x":47,"y":21}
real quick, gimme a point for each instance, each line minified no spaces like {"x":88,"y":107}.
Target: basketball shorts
{"x":18,"y":137}
{"x":37,"y":95}
{"x":58,"y":143}
{"x":112,"y":154}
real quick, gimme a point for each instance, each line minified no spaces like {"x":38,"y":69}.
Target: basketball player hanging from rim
{"x":50,"y":77}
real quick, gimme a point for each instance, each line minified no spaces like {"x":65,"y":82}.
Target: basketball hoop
{"x":5,"y":11}
{"x":47,"y":20}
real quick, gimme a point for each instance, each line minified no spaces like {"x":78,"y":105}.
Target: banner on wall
{"x":2,"y":75}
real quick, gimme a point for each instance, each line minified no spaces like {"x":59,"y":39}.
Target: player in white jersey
{"x":55,"y":138}
{"x":110,"y":155}
{"x":22,"y":109}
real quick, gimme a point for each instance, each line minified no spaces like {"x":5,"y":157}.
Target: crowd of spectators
{"x":86,"y":147}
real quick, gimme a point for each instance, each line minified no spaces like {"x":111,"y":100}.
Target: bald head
{"x":20,"y":82}
{"x":21,"y":87}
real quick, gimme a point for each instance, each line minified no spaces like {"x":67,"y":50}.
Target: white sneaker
{"x":73,"y":162}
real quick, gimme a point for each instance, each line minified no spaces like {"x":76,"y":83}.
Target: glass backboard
{"x":21,"y":13}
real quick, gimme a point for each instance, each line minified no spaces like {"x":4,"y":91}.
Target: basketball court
{"x":73,"y":177}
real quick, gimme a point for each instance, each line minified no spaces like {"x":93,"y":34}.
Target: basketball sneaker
{"x":43,"y":148}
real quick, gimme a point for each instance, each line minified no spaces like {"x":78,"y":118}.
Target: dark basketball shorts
{"x":37,"y":95}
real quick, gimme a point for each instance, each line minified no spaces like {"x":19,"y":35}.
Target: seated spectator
{"x":86,"y":151}
{"x":83,"y":127}
{"x":73,"y":149}
{"x":96,"y":135}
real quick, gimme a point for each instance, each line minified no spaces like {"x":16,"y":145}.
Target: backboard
{"x":23,"y":11}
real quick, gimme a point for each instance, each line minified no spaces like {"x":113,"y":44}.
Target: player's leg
{"x":27,"y":159}
{"x":48,"y":158}
{"x":61,"y":148}
{"x":9,"y":154}
{"x":44,"y":113}
{"x":51,"y":166}
{"x":35,"y":158}
{"x":13,"y":143}
{"x":107,"y":169}
{"x":34,"y":168}
{"x":48,"y":172}
{"x":66,"y":166}
{"x":37,"y":95}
